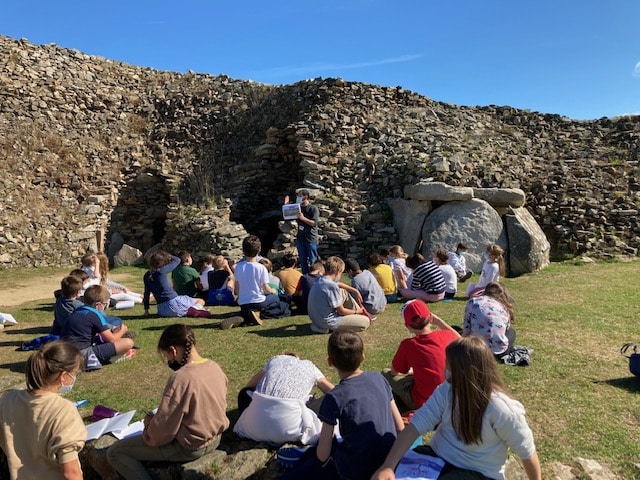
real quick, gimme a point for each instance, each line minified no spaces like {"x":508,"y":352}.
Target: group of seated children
{"x":79,"y":316}
{"x":96,"y":266}
{"x":355,"y":430}
{"x":357,"y":423}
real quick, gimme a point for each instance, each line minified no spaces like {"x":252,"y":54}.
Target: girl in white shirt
{"x":477,"y":420}
{"x":492,"y":270}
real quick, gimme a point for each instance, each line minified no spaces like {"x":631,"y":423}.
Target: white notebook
{"x":109,"y":425}
{"x":291,"y":211}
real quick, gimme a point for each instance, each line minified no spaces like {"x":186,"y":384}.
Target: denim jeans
{"x":308,"y":253}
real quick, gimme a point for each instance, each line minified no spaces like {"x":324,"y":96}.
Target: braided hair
{"x":178,"y":335}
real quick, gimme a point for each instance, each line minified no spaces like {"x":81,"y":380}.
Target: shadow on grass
{"x":283,"y":331}
{"x":28,"y":331}
{"x":631,"y":384}
{"x":17,"y":367}
{"x":42,"y":308}
{"x":16,"y":343}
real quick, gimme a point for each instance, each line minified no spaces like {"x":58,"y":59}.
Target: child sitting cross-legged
{"x":362,"y":406}
{"x":373,"y":297}
{"x":331,"y":305}
{"x":66,"y":303}
{"x":88,"y":329}
{"x":418,"y":366}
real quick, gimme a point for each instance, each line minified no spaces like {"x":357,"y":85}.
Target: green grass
{"x":580,"y":398}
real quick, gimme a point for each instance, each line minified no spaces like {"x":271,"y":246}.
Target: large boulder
{"x":528,"y":246}
{"x":473,"y":222}
{"x":408,"y":218}
{"x":127,"y":255}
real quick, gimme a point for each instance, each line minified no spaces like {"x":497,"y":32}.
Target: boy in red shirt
{"x":418,"y":366}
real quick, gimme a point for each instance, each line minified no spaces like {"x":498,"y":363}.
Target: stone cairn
{"x":98,"y":149}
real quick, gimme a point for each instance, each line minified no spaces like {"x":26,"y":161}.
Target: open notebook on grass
{"x":113,"y":425}
{"x":416,"y":466}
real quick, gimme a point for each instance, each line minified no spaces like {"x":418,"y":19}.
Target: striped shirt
{"x":428,"y":277}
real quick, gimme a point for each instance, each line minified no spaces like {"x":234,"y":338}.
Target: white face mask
{"x":299,"y":200}
{"x":64,"y":389}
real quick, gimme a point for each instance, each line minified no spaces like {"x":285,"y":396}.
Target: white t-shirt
{"x":450,"y":278}
{"x":204,"y":277}
{"x":504,"y":426}
{"x":399,"y":264}
{"x":458,"y":262}
{"x":251,"y":276}
{"x":490,"y":273}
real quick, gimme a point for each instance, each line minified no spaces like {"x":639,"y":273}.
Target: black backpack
{"x":634,"y":358}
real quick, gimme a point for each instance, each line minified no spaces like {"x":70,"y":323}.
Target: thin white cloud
{"x":315,"y":68}
{"x":636,"y":70}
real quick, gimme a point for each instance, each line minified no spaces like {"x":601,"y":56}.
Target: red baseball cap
{"x":413,"y":309}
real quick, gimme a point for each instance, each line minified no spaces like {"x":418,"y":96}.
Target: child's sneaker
{"x":128,"y":355}
{"x":255,"y":316}
{"x":288,"y":456}
{"x":231,"y":322}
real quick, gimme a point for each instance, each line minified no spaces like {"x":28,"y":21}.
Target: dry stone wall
{"x":91,"y":148}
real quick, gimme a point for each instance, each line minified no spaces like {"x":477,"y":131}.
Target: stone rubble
{"x":94,"y":148}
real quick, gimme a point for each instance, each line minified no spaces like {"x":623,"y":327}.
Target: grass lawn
{"x":580,"y":397}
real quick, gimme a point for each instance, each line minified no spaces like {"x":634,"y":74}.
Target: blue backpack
{"x":220,"y":296}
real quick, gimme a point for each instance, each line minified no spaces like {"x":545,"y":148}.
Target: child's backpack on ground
{"x":634,"y":358}
{"x":277,"y":309}
{"x":220,"y":296}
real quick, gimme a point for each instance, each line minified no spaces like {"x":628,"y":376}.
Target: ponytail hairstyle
{"x":398,"y":252}
{"x":178,"y":335}
{"x":49,"y":361}
{"x":497,"y":251}
{"x":474,"y":377}
{"x":498,"y":292}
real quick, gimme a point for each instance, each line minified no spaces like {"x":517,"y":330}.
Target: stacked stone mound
{"x":93,"y":148}
{"x":437,"y":216}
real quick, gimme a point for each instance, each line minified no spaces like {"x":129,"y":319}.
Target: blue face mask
{"x":447,"y":375}
{"x":299,"y":200}
{"x":64,"y":389}
{"x":462,"y":254}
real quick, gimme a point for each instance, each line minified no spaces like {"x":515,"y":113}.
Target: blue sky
{"x":579,"y":58}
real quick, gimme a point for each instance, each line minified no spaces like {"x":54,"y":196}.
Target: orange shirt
{"x":289,"y":277}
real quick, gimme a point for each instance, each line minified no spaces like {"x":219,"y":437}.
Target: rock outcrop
{"x":92,"y":148}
